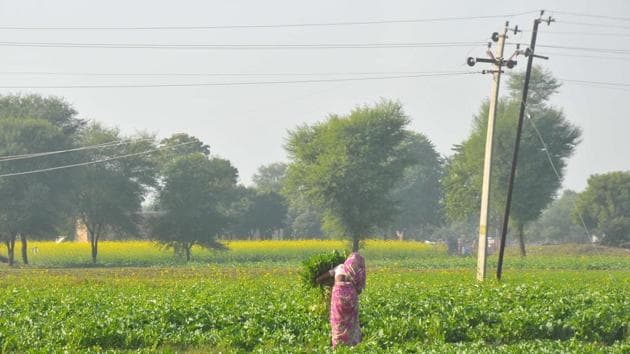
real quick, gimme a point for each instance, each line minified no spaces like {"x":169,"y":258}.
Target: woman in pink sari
{"x":344,"y":302}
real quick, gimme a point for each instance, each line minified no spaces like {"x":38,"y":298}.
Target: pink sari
{"x":344,"y":303}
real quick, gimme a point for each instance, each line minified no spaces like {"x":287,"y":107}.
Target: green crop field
{"x":418,"y":299}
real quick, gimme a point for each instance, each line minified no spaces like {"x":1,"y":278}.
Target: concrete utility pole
{"x":497,"y":63}
{"x":529,"y":53}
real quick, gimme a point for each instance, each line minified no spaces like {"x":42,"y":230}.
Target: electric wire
{"x":581,"y":14}
{"x":579,"y":33}
{"x":92,"y":162}
{"x":240,"y":83}
{"x":240,"y":46}
{"x":587,"y":49}
{"x":603,"y":83}
{"x":82,"y":148}
{"x":35,"y":154}
{"x":246,"y":26}
{"x":294,"y":46}
{"x":590,"y":24}
{"x":586,"y":56}
{"x":553,"y":167}
{"x":216,"y":74}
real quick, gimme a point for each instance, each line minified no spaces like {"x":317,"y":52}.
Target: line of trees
{"x":361,"y":174}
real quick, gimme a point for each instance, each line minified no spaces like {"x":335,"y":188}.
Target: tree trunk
{"x":521,"y":239}
{"x":94,"y":247}
{"x":24,"y":248}
{"x":355,"y":244}
{"x":188,"y":247}
{"x":94,"y":236}
{"x":11,"y":249}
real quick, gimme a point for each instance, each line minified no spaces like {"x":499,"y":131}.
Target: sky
{"x":248,"y":124}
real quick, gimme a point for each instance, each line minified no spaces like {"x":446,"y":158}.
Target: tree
{"x":192,"y":202}
{"x":190,"y":145}
{"x":270,"y":177}
{"x":52,"y":109}
{"x":110,"y":194}
{"x":348,"y":165}
{"x":301,"y":219}
{"x":305,"y":222}
{"x":32,"y":204}
{"x":57,"y":113}
{"x":269,"y":208}
{"x":535,"y":183}
{"x":268,"y":212}
{"x":556,"y":223}
{"x":419,"y":192}
{"x":605,"y":207}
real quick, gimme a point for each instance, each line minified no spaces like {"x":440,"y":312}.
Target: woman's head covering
{"x":355,"y":268}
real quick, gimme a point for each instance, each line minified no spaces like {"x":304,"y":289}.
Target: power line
{"x":616,"y":88}
{"x":605,"y":83}
{"x":246,"y":26}
{"x":48,"y":153}
{"x":555,"y":170}
{"x":241,"y":83}
{"x":294,"y":46}
{"x":590,"y":24}
{"x":589,"y":56}
{"x":586,"y":49}
{"x":92,"y":162}
{"x":581,"y":33}
{"x":241,"y":74}
{"x":581,"y":14}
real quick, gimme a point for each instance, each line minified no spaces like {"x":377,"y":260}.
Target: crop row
{"x":264,"y":309}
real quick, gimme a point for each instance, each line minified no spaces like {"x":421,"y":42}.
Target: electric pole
{"x":497,"y":63}
{"x":530,"y":54}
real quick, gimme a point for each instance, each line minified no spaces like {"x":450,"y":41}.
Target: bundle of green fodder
{"x":317,"y":265}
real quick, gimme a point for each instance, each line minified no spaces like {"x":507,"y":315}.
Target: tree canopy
{"x":32,"y":204}
{"x":348,"y":166}
{"x":110,"y":194}
{"x":605,"y":207}
{"x":192,"y":204}
{"x":556,"y":223}
{"x":419,"y":192}
{"x":536,"y":183}
{"x":270,"y":177}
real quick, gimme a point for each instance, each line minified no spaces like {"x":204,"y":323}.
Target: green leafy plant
{"x":319,"y":263}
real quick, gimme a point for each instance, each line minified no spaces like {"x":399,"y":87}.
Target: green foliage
{"x":556,"y":223}
{"x":110,"y":194}
{"x":193,"y":202}
{"x":270,"y":178}
{"x":39,"y":203}
{"x":348,"y":165}
{"x":306,"y":222}
{"x":535,"y":183}
{"x":55,"y":110}
{"x":318,"y":264}
{"x":419,"y":193}
{"x":542,"y":85}
{"x":231,"y":309}
{"x":267,"y":212}
{"x":32,"y":204}
{"x":192,"y":145}
{"x":605,"y":206}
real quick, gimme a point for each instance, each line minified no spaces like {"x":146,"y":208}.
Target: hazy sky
{"x":248,"y":124}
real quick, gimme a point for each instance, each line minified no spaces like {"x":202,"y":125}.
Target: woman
{"x":344,"y":303}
